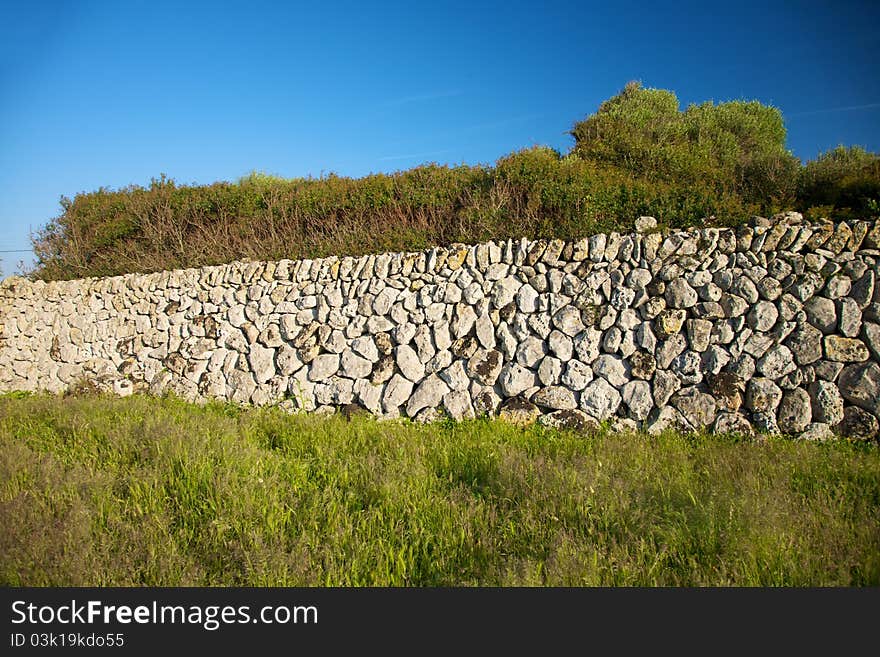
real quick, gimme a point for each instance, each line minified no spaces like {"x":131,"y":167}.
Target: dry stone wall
{"x":774,"y":326}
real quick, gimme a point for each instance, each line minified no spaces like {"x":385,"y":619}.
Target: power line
{"x":16,"y":250}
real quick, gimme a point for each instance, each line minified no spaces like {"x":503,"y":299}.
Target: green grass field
{"x":146,"y":491}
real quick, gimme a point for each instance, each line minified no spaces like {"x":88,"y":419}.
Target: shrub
{"x":844,"y":182}
{"x":730,"y":149}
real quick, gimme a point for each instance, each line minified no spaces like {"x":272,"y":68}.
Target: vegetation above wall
{"x":638,"y":155}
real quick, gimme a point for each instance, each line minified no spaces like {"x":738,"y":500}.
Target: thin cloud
{"x":411,"y":156}
{"x":830,"y":110}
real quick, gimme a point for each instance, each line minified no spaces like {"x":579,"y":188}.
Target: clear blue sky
{"x":109,"y":94}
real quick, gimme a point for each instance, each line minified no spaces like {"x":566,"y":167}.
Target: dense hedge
{"x":639,"y":154}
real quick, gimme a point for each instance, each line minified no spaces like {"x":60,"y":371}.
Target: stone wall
{"x":774,"y":327}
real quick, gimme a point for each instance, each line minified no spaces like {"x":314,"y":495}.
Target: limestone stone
{"x":732,"y":423}
{"x":577,"y":375}
{"x":636,"y":395}
{"x":408,"y":363}
{"x":805,"y":343}
{"x":762,"y":395}
{"x":860,"y":385}
{"x":762,"y":316}
{"x":519,"y":411}
{"x":795,"y":411}
{"x":576,"y":420}
{"x":845,"y":350}
{"x":568,"y":320}
{"x":669,"y":322}
{"x":665,"y":384}
{"x":821,"y":313}
{"x":642,"y":365}
{"x":777,"y":362}
{"x":560,"y":345}
{"x":600,"y":399}
{"x":679,"y":294}
{"x":397,"y":391}
{"x":698,"y":333}
{"x":857,"y":424}
{"x":817,"y":431}
{"x":556,"y":398}
{"x":504,"y":291}
{"x":485,"y":366}
{"x":611,"y":368}
{"x":697,"y":408}
{"x":458,"y":404}
{"x":850,"y":322}
{"x":428,"y":394}
{"x":514,"y":379}
{"x":354,"y":366}
{"x":827,"y":402}
{"x":549,"y":371}
{"x":530,"y":351}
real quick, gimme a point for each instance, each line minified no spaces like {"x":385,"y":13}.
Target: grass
{"x":148,"y":491}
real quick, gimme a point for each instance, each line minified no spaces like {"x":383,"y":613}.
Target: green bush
{"x":844,"y":181}
{"x":735,"y":148}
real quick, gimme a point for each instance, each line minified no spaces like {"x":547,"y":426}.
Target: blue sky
{"x":110,"y":94}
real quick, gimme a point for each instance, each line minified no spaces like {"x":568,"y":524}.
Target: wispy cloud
{"x":421,"y":98}
{"x":830,"y":110}
{"x":412,"y":156}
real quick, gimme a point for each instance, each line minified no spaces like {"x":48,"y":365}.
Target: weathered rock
{"x":850,"y":322}
{"x":354,"y":366}
{"x":795,"y":412}
{"x":845,"y":350}
{"x":600,"y":399}
{"x":519,"y":411}
{"x":805,"y":343}
{"x":556,"y":398}
{"x":762,"y":316}
{"x":514,"y":379}
{"x":409,"y":364}
{"x":428,"y":394}
{"x":857,"y":424}
{"x":637,"y":397}
{"x":860,"y":385}
{"x":611,"y":368}
{"x":665,"y":384}
{"x":642,"y":365}
{"x":669,"y":322}
{"x":458,"y":404}
{"x":575,"y":420}
{"x":817,"y":431}
{"x":679,"y":294}
{"x":397,"y":391}
{"x":262,"y":362}
{"x":732,"y":423}
{"x":323,"y":366}
{"x":577,"y":375}
{"x":504,"y":291}
{"x":485,"y":366}
{"x":777,"y":362}
{"x":697,"y":408}
{"x":568,"y":320}
{"x":530,"y":351}
{"x":726,"y":388}
{"x":666,"y":418}
{"x":698,"y":334}
{"x":827,"y":402}
{"x":762,"y":395}
{"x":822,"y":314}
